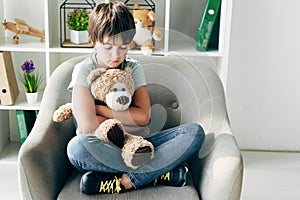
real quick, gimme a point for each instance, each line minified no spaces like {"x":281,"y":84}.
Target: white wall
{"x":264,"y":74}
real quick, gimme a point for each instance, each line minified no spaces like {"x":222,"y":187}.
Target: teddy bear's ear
{"x":152,"y":16}
{"x":128,"y":70}
{"x":136,"y":6}
{"x":94,"y":74}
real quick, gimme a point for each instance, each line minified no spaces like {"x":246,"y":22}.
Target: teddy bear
{"x":145,"y":31}
{"x":115,"y":88}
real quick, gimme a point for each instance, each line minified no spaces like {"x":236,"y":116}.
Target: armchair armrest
{"x":219,"y":174}
{"x":43,"y":166}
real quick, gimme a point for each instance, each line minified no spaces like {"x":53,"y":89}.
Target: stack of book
{"x":208,"y":34}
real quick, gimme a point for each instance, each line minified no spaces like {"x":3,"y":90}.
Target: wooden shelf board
{"x":21,"y":103}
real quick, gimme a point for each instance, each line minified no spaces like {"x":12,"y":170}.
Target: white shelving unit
{"x":179,"y":21}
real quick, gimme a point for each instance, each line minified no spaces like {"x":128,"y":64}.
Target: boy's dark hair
{"x":110,"y":19}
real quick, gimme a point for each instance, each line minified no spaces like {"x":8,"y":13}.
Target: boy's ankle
{"x":125,"y":181}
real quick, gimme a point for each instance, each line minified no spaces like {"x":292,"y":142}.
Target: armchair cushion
{"x":70,"y":191}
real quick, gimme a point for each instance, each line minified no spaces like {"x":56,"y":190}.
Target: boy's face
{"x":112,"y":52}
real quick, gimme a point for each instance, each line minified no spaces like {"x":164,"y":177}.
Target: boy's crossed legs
{"x":172,"y":147}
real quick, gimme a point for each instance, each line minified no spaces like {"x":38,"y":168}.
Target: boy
{"x":111,"y":29}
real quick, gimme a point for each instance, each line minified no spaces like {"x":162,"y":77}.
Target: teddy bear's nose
{"x":123,"y":100}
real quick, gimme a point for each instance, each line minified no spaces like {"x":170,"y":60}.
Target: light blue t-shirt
{"x":82,"y":70}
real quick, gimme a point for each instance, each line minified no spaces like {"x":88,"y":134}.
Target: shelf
{"x":91,"y":50}
{"x":185,"y":48}
{"x":21,"y":103}
{"x":70,"y":50}
{"x":56,"y":48}
{"x":25,"y":45}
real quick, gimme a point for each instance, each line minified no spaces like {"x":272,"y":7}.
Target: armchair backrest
{"x":181,"y":91}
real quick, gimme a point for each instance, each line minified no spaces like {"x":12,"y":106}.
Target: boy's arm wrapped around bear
{"x":136,"y":151}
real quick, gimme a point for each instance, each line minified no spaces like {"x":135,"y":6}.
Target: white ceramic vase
{"x":79,"y":37}
{"x":32,"y":98}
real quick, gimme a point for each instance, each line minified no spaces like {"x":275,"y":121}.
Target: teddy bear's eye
{"x":115,"y":90}
{"x":123,"y":89}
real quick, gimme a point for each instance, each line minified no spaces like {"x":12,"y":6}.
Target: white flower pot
{"x":79,"y":37}
{"x":32,"y":98}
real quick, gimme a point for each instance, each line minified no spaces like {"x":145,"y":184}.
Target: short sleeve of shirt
{"x":82,"y":70}
{"x":137,"y":72}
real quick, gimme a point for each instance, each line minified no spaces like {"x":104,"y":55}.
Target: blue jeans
{"x":173,"y":147}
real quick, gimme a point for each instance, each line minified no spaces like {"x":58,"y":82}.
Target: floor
{"x":267,"y":175}
{"x":8,"y":173}
{"x":274,"y":176}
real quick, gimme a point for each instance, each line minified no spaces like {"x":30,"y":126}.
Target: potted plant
{"x":78,"y":21}
{"x":30,"y":80}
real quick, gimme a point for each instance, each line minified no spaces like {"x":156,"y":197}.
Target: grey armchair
{"x":180,"y":91}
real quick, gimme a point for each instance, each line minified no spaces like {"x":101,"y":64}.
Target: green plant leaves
{"x":78,"y":20}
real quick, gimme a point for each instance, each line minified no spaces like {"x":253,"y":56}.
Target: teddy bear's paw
{"x":63,"y":113}
{"x":141,"y":156}
{"x":146,"y":51}
{"x":157,"y":37}
{"x":137,"y":151}
{"x":111,"y":131}
{"x":116,"y":135}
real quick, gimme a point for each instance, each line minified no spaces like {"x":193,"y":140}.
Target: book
{"x":8,"y":84}
{"x":25,"y":122}
{"x":207,"y":25}
{"x":36,"y":112}
{"x":214,"y":38}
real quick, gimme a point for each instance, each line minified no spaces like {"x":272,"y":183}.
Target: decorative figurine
{"x":20,"y":27}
